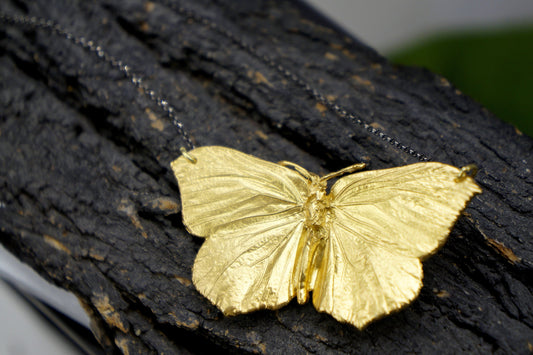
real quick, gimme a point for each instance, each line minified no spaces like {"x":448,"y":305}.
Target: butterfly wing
{"x":250,"y":212}
{"x":382,"y":223}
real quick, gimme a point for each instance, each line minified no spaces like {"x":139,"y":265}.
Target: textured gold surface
{"x":273,"y":232}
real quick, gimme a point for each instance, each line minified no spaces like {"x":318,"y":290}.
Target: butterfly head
{"x":317,"y":184}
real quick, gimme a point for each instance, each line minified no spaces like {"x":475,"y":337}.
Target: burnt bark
{"x":88,"y":199}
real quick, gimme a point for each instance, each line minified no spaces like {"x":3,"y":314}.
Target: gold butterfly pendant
{"x":273,"y":232}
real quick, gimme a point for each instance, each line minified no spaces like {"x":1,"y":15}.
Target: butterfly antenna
{"x":298,"y":168}
{"x":348,"y":170}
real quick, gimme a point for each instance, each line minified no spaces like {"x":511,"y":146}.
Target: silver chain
{"x":125,"y":69}
{"x":338,"y":110}
{"x":170,"y":111}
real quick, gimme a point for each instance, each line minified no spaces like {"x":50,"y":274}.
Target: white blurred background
{"x":385,"y":25}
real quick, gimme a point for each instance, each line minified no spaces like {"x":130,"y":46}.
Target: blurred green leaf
{"x":494,"y":67}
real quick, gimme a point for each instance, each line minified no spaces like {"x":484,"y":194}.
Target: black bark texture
{"x":88,"y":199}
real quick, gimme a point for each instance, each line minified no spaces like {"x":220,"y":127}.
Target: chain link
{"x":92,"y":46}
{"x":137,"y":81}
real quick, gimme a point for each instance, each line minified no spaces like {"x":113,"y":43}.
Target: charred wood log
{"x":88,"y":199}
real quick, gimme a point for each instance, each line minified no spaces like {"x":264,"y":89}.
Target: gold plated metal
{"x":468,"y":170}
{"x":186,"y":154}
{"x":274,"y":233}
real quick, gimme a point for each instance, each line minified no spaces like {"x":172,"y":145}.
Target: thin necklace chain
{"x":125,"y":69}
{"x":137,"y":81}
{"x":337,"y":109}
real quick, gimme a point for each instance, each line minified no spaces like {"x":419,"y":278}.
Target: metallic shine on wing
{"x":274,"y":233}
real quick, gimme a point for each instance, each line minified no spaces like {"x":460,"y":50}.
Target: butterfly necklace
{"x":275,"y":231}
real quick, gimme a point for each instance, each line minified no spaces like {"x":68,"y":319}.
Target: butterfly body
{"x":316,"y":217}
{"x":273,"y":232}
{"x":314,"y":236}
{"x":316,"y":207}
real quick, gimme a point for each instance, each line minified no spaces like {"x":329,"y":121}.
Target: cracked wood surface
{"x":90,"y":203}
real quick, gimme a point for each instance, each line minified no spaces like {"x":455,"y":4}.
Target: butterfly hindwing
{"x":359,"y":282}
{"x":251,"y":268}
{"x":382,"y":222}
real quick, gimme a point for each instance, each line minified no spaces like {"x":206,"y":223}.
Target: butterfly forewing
{"x":409,"y":210}
{"x":227,"y":189}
